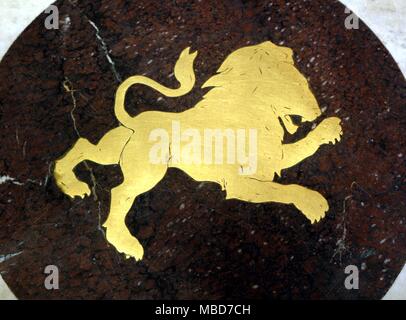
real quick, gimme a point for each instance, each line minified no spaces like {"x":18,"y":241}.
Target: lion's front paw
{"x":313,"y":205}
{"x":125,"y":243}
{"x":72,"y":186}
{"x":78,"y":189}
{"x":329,"y":131}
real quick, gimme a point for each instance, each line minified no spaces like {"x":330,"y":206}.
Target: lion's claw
{"x":329,"y":131}
{"x":314,"y":206}
{"x":75,"y":189}
{"x":125,"y":243}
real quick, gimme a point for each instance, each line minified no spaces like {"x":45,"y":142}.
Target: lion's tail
{"x":184,"y":73}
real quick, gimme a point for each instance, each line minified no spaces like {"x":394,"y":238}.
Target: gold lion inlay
{"x":255,"y":87}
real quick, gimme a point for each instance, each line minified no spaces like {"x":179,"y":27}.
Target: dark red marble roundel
{"x":197,"y":244}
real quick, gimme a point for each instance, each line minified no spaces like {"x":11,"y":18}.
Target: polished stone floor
{"x":384,"y":17}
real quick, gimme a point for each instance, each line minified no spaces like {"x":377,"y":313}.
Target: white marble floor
{"x":384,"y":17}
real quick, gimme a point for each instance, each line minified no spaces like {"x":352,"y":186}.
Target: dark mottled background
{"x":197,"y":244}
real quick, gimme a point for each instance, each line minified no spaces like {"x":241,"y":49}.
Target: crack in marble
{"x":5,"y":257}
{"x":341,"y":246}
{"x":105,"y":50}
{"x":48,"y":175}
{"x":6,"y":178}
{"x":99,"y":224}
{"x":69,"y":89}
{"x":101,"y":41}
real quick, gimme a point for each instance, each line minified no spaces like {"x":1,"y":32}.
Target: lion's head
{"x":265,"y":77}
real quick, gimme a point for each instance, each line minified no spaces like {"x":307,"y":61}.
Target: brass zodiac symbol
{"x":256,"y":87}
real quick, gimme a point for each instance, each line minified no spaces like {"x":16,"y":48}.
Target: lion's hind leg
{"x":106,"y":152}
{"x":311,"y":203}
{"x":140,"y":176}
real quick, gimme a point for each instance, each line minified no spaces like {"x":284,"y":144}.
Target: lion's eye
{"x":297,"y":120}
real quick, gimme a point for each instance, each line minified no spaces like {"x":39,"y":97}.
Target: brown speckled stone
{"x":197,"y":244}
